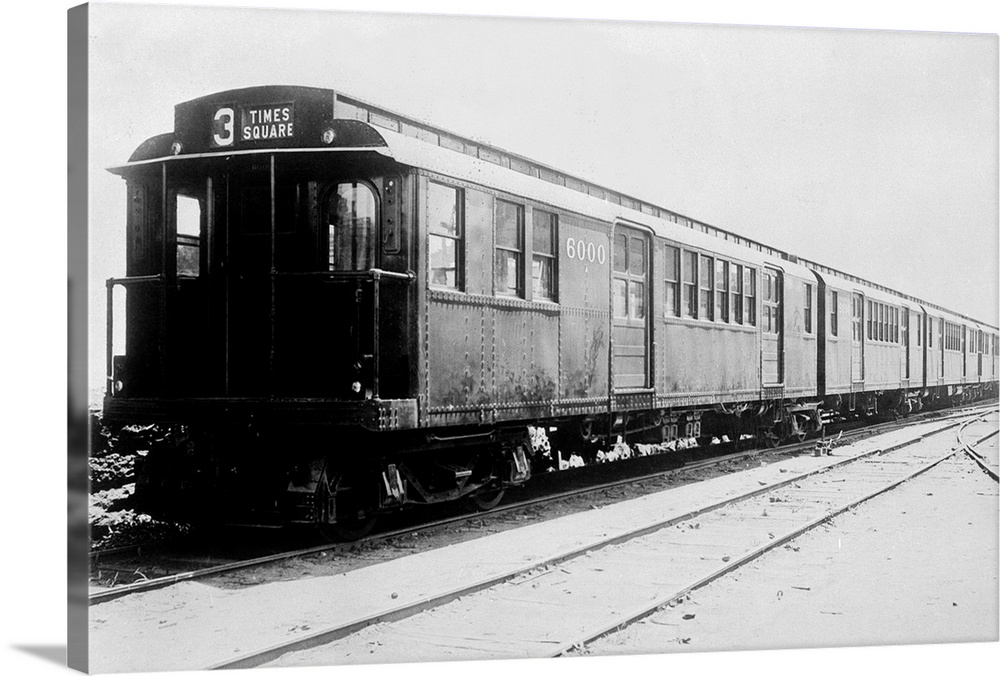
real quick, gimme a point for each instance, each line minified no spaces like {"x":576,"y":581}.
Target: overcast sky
{"x":872,"y":151}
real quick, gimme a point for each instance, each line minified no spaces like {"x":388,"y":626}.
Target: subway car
{"x":331,"y":310}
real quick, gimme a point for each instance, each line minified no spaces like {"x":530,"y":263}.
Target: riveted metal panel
{"x":478,"y":242}
{"x":700,"y":357}
{"x":583,"y":355}
{"x":525,"y":365}
{"x":459,"y":363}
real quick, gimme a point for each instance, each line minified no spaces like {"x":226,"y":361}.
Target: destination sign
{"x":268,"y":122}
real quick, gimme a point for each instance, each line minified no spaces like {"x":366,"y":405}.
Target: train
{"x":332,"y":310}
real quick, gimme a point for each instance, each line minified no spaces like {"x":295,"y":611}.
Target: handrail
{"x":134,"y":281}
{"x":373,"y":273}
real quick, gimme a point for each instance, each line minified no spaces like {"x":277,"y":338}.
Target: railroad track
{"x":211,"y":570}
{"x":987,"y":464}
{"x":492,"y":603}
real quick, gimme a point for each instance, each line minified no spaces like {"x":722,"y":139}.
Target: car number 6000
{"x":580,"y":249}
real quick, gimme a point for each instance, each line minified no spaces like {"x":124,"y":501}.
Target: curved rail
{"x":975,"y":455}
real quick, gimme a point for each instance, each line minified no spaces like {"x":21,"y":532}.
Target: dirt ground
{"x":915,"y":565}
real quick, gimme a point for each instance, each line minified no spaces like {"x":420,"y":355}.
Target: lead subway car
{"x":335,"y":310}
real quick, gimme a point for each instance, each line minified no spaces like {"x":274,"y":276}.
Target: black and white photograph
{"x":439,"y":339}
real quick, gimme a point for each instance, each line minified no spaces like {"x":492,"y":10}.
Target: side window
{"x":671,"y":276}
{"x":705,"y":296}
{"x":750,"y":297}
{"x":722,"y":290}
{"x":690,"y":298}
{"x":833,"y":313}
{"x":808,"y":310}
{"x":508,"y":259}
{"x":188,"y":215}
{"x":637,"y":281}
{"x":857,"y":319}
{"x":544,"y":238}
{"x":446,"y":229}
{"x":736,"y":293}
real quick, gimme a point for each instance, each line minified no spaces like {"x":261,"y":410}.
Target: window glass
{"x":543,"y":232}
{"x":621,"y":252}
{"x":543,"y":278}
{"x":351,"y":227}
{"x":750,"y":290}
{"x":509,"y":255}
{"x":672,"y":262}
{"x":671,"y":277}
{"x":736,"y":293}
{"x":705,"y":296}
{"x":543,"y":263}
{"x":506,"y":272}
{"x":637,"y":300}
{"x":689,"y":298}
{"x":722,"y":290}
{"x":637,"y":256}
{"x":509,"y":220}
{"x":443,"y":254}
{"x":808,"y":308}
{"x":833,"y":313}
{"x":188,"y":236}
{"x":621,"y":298}
{"x":670,"y":298}
{"x":444,"y":225}
{"x":690,"y":266}
{"x":442,"y":210}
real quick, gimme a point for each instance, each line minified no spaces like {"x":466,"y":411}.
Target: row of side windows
{"x":696,"y":286}
{"x":446,"y":225}
{"x":883,"y":322}
{"x":703,"y":287}
{"x":952,"y":336}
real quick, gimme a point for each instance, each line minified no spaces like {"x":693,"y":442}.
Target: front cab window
{"x":351,"y":216}
{"x":188,"y":214}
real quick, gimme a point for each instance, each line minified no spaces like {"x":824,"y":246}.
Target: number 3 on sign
{"x":224,"y":119}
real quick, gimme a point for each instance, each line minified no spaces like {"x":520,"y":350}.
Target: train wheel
{"x":355,"y":516}
{"x":486,"y":499}
{"x":349,"y":530}
{"x":770,"y":437}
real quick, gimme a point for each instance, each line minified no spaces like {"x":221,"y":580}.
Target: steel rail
{"x":978,"y":457}
{"x":649,"y":608}
{"x":113,"y":593}
{"x":330,"y":634}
